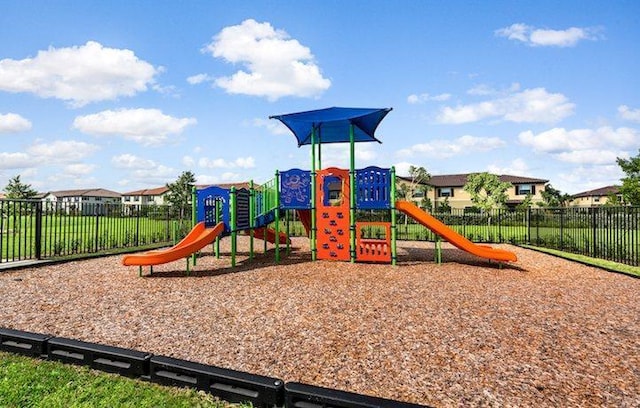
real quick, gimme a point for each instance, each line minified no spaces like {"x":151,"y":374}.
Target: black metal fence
{"x":610,"y":233}
{"x":32,"y":229}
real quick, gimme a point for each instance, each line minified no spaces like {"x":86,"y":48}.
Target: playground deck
{"x":542,"y":332}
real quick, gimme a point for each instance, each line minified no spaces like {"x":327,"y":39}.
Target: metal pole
{"x":277,"y":216}
{"x":392,"y":203}
{"x":194,"y":217}
{"x":252,"y":216}
{"x":352,"y":195}
{"x":234,"y":233}
{"x":313,"y":195}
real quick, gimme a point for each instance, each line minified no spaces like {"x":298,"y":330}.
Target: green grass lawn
{"x":31,"y":383}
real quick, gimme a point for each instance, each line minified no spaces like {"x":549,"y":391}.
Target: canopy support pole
{"x":352,"y":194}
{"x":313,"y":194}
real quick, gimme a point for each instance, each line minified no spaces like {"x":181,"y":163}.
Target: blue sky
{"x":126,"y":95}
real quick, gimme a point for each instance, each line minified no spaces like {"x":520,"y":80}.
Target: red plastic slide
{"x":305,"y":219}
{"x":197,"y":239}
{"x":270,"y":236}
{"x":438,"y":227}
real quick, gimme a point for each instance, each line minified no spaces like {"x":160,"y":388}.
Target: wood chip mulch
{"x":542,"y":332}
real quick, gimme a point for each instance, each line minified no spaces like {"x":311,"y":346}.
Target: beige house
{"x":145,"y":197}
{"x":449,"y":188}
{"x":158,"y":195}
{"x":597,"y":197}
{"x":86,"y":201}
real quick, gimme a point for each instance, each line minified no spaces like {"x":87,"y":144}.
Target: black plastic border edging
{"x":229,"y":385}
{"x":126,"y":362}
{"x":300,"y":395}
{"x":22,"y":342}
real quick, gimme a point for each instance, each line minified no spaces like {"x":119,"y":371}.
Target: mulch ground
{"x":541,"y":332}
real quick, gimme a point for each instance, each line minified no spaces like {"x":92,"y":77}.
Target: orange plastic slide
{"x":453,"y":237}
{"x":271,"y":235}
{"x":197,"y":239}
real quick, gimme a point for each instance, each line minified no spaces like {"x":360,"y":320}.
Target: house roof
{"x":158,"y":191}
{"x":599,"y":192}
{"x":89,"y":192}
{"x":459,"y":180}
{"x":148,"y":192}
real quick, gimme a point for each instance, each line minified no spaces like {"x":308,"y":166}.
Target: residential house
{"x":148,"y":196}
{"x":158,"y":195}
{"x":449,"y":188}
{"x":597,"y":197}
{"x":83,"y":202}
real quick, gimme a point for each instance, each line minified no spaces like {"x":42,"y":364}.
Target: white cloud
{"x":275,"y":127}
{"x":338,"y":155}
{"x":402,"y":168}
{"x":583,"y":146}
{"x":15,"y":160}
{"x":276,"y":65}
{"x":226,"y":177}
{"x":536,"y":37}
{"x":61,"y":151}
{"x":558,"y":140}
{"x":188,"y":161}
{"x":440,"y":148}
{"x":79,"y":169}
{"x":517,"y":167}
{"x":79,"y":74}
{"x":13,"y":123}
{"x":627,"y":113}
{"x":240,"y":162}
{"x":155,"y":175}
{"x":149,"y":127}
{"x":130,"y":161}
{"x":425,"y":97}
{"x":531,"y":106}
{"x":585,"y":178}
{"x":199,"y":78}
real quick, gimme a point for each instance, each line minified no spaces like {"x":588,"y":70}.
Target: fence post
{"x":97,"y":234}
{"x":593,"y":231}
{"x":562,"y":229}
{"x":528,"y":223}
{"x":38,"y":231}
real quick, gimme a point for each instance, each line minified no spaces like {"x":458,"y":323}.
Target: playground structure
{"x":326,"y":200}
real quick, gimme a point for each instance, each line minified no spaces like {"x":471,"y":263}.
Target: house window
{"x":445,"y":192}
{"x":127,"y":198}
{"x":524,"y":189}
{"x":417,"y":194}
{"x":98,"y":198}
{"x":596,"y":199}
{"x":85,"y":198}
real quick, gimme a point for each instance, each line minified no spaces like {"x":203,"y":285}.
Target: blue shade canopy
{"x":332,"y":124}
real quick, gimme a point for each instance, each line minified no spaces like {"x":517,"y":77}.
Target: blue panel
{"x":373,"y":188}
{"x":207,"y":199}
{"x":295,"y":189}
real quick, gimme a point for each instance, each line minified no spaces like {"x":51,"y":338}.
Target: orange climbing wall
{"x":332,"y":214}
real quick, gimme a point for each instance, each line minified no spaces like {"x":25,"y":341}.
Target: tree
{"x":487,"y":192}
{"x":612,"y":200}
{"x":552,"y":197}
{"x":630,"y":188}
{"x":16,"y":189}
{"x":180,"y":193}
{"x":526,"y":203}
{"x":418,"y":177}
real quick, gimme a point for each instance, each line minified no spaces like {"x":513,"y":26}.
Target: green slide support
{"x":233,"y":222}
{"x":394,"y":253}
